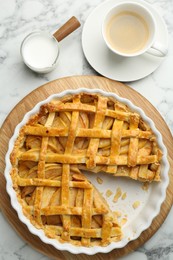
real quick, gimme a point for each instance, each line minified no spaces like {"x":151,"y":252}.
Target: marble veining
{"x":17,"y":19}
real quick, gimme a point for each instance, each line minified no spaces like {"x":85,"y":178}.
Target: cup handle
{"x":158,"y":50}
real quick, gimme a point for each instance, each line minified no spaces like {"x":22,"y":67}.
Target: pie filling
{"x":80,"y":132}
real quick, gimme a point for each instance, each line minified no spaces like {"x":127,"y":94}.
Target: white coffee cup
{"x":129,"y":29}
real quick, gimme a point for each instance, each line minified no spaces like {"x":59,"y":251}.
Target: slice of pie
{"x":80,"y":132}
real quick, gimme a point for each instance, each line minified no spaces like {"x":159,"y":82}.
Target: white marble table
{"x":17,"y":19}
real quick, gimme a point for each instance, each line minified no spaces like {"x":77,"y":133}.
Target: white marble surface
{"x":17,"y":19}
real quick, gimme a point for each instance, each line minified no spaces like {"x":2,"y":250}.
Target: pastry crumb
{"x":123,"y":221}
{"x":117,"y":214}
{"x":99,"y":180}
{"x":117,"y":195}
{"x":124,"y":196}
{"x":108,"y":193}
{"x":145,"y":186}
{"x":136,"y":204}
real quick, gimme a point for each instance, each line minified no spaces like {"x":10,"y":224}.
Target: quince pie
{"x":80,"y":132}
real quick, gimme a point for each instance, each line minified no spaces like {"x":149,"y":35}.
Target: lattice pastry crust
{"x":80,"y":132}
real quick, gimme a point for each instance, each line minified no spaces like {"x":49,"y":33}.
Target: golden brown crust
{"x":84,"y":131}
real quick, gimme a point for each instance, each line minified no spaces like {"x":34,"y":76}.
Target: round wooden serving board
{"x":27,"y":104}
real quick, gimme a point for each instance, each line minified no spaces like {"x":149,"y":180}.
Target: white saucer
{"x":109,"y":64}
